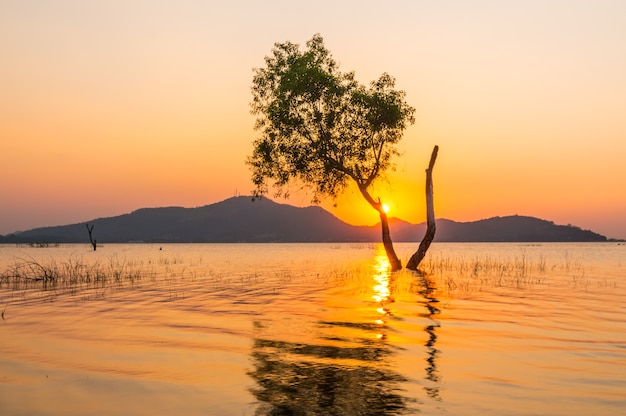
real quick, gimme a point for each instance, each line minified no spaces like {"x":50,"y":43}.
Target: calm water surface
{"x":313,"y":329}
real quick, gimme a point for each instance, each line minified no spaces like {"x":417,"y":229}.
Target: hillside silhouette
{"x":239,"y":219}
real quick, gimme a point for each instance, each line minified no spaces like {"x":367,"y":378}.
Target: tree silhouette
{"x":431,"y":226}
{"x":90,"y":230}
{"x":321,"y":129}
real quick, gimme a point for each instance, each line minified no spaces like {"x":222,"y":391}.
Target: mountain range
{"x":241,"y":219}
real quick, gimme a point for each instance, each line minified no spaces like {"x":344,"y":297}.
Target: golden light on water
{"x":382,"y":291}
{"x":381,"y":277}
{"x":269,"y":344}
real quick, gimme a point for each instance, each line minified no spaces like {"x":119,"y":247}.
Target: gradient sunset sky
{"x":110,"y":106}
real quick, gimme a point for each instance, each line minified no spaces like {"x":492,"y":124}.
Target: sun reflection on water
{"x":382,"y":274}
{"x":382,"y":290}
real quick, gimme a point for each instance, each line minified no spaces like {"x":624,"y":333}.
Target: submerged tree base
{"x":394,"y":261}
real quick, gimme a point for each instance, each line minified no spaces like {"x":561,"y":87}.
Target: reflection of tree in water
{"x":342,"y":375}
{"x":303,"y":379}
{"x":432,"y":374}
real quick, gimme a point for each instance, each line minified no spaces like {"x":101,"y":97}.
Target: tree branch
{"x":431,"y":226}
{"x":394,"y":261}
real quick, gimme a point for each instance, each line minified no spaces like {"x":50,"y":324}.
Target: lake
{"x":313,"y":329}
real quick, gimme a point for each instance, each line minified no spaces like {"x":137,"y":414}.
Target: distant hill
{"x":240,"y":219}
{"x":514,"y":228}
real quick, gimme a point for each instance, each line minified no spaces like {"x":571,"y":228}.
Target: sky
{"x":111,"y":106}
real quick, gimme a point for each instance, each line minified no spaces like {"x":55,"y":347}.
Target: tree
{"x":90,"y":230}
{"x":322,"y":129}
{"x":431,"y":226}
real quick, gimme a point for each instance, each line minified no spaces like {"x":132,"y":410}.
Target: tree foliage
{"x":321,"y":128}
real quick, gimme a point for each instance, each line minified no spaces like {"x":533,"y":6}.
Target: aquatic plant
{"x":70,"y":274}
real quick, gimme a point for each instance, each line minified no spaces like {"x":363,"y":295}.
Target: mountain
{"x":514,"y":228}
{"x":240,"y":219}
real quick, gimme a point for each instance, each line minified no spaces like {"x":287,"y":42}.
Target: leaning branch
{"x":431,"y":227}
{"x":378,"y":151}
{"x":394,"y":261}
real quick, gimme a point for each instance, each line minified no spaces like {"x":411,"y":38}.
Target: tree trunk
{"x":431,"y":227}
{"x":93,"y":242}
{"x":394,"y":261}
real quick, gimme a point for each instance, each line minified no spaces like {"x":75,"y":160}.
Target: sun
{"x":385,"y":208}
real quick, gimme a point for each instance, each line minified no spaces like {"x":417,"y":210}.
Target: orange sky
{"x":111,"y":106}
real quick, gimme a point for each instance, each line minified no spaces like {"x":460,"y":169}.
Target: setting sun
{"x":386,"y":208}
